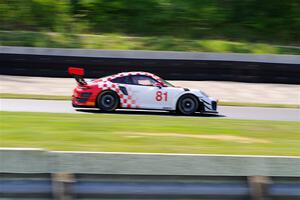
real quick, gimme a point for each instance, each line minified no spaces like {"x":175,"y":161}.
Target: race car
{"x":138,"y":90}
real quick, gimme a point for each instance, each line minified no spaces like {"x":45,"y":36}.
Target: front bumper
{"x":209,"y":112}
{"x":210,"y":105}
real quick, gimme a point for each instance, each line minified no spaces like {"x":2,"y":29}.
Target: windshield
{"x":166,"y":83}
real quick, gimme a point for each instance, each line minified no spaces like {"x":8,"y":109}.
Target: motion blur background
{"x":257,"y":132}
{"x":250,"y":26}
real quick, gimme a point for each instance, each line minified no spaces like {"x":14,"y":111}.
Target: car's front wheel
{"x":108,"y":101}
{"x":187,"y":104}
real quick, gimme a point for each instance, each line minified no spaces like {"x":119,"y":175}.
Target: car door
{"x":149,"y":93}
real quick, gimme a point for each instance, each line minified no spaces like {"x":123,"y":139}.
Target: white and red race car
{"x":138,"y":90}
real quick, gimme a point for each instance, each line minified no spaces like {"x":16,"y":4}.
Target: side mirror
{"x":159,"y":85}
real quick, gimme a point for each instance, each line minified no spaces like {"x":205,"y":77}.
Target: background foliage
{"x":272,"y":21}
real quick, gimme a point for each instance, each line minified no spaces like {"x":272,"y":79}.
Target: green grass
{"x":154,"y":134}
{"x":124,"y":42}
{"x":52,"y":97}
{"x":33,"y":96}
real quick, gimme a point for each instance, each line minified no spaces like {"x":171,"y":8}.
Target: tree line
{"x":274,"y":21}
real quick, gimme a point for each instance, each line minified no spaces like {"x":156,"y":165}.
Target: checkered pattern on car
{"x":126,"y":101}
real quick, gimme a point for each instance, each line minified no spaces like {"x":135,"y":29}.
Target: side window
{"x":143,"y":80}
{"x":123,"y":80}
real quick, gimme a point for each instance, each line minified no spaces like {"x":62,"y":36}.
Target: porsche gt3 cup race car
{"x":138,"y":90}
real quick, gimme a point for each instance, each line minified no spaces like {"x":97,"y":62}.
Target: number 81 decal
{"x":161,"y":96}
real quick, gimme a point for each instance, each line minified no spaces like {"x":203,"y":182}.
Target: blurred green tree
{"x":274,"y":21}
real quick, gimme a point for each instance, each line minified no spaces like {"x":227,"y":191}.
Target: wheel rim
{"x":108,"y":101}
{"x":188,"y":105}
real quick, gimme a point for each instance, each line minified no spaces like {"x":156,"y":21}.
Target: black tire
{"x":187,"y":104}
{"x":108,"y":101}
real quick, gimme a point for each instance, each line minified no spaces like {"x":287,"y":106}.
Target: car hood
{"x":201,"y":94}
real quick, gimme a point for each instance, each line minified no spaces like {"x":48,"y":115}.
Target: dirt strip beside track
{"x":225,"y":91}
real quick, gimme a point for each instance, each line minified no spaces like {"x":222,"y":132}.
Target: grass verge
{"x":51,"y":97}
{"x":33,"y":96}
{"x":154,"y":134}
{"x":125,"y":42}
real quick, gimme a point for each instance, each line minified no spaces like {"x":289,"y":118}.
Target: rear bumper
{"x":82,"y":106}
{"x":84,"y":98}
{"x":82,"y":103}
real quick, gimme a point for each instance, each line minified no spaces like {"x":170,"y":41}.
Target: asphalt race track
{"x":232,"y":112}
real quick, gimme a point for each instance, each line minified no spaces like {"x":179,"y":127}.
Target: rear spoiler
{"x":78,"y":74}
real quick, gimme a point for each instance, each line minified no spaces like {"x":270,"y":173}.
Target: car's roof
{"x":135,"y":73}
{"x":108,"y":78}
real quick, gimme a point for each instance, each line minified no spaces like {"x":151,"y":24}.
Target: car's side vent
{"x":123,"y":89}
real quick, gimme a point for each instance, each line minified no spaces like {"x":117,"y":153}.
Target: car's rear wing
{"x":78,"y":74}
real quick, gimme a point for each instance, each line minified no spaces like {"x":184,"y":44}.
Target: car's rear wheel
{"x":187,"y":104}
{"x":108,"y":101}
